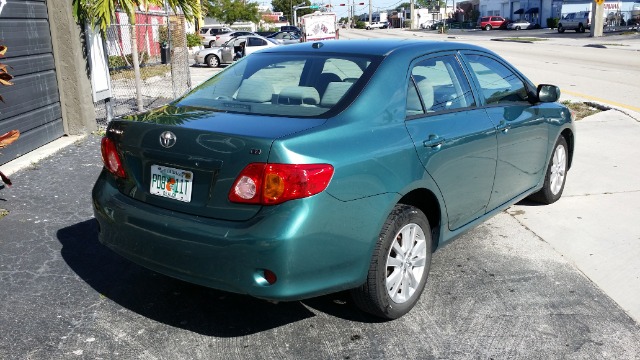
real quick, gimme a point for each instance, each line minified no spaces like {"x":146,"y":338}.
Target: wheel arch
{"x":428,"y":203}
{"x":569,"y":137}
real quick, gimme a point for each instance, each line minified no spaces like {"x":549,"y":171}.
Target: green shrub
{"x":118,"y":61}
{"x":193,"y":40}
{"x":552,"y":23}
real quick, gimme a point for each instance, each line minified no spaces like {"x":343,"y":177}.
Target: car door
{"x":522,"y":139}
{"x":455,"y":140}
{"x":228,"y":50}
{"x":254,"y":44}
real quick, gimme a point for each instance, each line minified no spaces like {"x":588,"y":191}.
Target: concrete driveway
{"x":595,"y":224}
{"x":500,"y":291}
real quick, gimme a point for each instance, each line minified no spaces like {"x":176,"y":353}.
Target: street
{"x":544,"y":282}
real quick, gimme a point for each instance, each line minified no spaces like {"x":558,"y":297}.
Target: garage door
{"x":32,"y":104}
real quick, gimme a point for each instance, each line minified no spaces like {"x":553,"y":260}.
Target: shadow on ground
{"x":180,"y":304}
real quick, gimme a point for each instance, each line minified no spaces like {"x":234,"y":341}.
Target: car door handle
{"x":504,"y":127}
{"x":434,"y":141}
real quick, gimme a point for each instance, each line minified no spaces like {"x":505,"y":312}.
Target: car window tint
{"x":498,"y":83}
{"x":346,"y":69}
{"x":440,"y":84}
{"x":256,"y":42}
{"x":283,"y":85}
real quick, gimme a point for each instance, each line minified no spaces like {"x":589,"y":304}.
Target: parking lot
{"x":510,"y":288}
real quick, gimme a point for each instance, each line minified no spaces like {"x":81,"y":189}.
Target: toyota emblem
{"x":167,"y":139}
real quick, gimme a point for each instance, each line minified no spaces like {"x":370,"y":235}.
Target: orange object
{"x":8,"y":138}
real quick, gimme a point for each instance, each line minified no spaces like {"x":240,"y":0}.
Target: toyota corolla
{"x":320,"y":167}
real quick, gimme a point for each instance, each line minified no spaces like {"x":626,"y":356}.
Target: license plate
{"x":171,"y":183}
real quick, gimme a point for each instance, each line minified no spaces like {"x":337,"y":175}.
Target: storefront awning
{"x":532,"y":11}
{"x":519,"y":12}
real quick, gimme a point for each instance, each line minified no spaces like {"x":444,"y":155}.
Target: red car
{"x":490,"y":22}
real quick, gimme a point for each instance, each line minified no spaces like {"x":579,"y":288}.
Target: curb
{"x":40,"y":153}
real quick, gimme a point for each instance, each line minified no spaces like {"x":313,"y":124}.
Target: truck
{"x":318,"y":26}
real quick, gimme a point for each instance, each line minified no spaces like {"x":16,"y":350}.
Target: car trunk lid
{"x":186,"y":159}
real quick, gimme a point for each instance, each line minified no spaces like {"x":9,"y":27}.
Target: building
{"x":51,"y":95}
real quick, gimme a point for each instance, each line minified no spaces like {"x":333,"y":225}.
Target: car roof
{"x":378,"y":47}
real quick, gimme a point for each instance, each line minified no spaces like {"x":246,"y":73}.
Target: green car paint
{"x":490,"y":156}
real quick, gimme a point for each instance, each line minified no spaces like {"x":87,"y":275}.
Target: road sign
{"x":316,"y":6}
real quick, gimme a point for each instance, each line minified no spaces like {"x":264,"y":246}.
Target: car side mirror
{"x":548,"y":93}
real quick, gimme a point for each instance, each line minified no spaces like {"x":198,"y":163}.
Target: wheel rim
{"x":406,"y":263}
{"x":558,"y":169}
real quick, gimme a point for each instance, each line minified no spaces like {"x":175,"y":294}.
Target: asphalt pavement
{"x":543,"y":282}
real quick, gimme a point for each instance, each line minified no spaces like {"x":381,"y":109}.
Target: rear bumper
{"x":315,"y":246}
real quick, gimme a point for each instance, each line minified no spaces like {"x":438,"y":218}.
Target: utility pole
{"x":413,"y":15}
{"x":370,"y":12}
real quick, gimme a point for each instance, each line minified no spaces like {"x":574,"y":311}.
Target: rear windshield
{"x":295,"y":84}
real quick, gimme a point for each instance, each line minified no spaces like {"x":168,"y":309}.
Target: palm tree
{"x":98,"y":13}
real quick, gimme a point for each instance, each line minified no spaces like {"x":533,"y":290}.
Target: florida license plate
{"x":171,"y":183}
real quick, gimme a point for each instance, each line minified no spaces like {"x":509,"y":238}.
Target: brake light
{"x":110,"y":158}
{"x":271,"y":184}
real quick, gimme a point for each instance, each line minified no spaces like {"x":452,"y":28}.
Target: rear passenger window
{"x":498,"y":83}
{"x":438,"y":84}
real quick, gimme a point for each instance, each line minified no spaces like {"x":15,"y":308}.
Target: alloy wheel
{"x":406,"y":263}
{"x":558,"y":169}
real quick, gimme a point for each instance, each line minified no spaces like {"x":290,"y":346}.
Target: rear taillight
{"x":271,"y":184}
{"x":110,"y":158}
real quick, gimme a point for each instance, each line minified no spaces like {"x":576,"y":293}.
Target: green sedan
{"x":339,"y":165}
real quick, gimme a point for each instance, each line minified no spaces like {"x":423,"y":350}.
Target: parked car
{"x":375,"y":25}
{"x":285,"y":38}
{"x":209,"y":33}
{"x":491,"y":22}
{"x":223,"y":38}
{"x":299,"y":171}
{"x":519,"y":25}
{"x":294,"y":29}
{"x":578,"y":21}
{"x":226,"y":54}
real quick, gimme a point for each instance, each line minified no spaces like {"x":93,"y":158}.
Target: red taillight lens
{"x":110,"y":158}
{"x":271,"y":184}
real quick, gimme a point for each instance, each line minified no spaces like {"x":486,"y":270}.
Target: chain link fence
{"x":163,"y":59}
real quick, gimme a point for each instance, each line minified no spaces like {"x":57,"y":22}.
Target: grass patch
{"x":612,"y":44}
{"x":584,"y":109}
{"x":3,"y":213}
{"x":145,"y":72}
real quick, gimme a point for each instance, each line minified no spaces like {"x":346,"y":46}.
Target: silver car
{"x":223,"y":38}
{"x":229,"y":51}
{"x":285,"y":38}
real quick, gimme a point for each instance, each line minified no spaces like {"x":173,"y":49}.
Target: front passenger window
{"x":498,"y":83}
{"x":438,"y":84}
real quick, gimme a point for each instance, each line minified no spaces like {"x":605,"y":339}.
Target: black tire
{"x":560,"y":28}
{"x":373,"y":296}
{"x":212,"y":61}
{"x":517,"y":28}
{"x":558,"y":165}
{"x":580,"y":28}
{"x":212,"y":43}
{"x":487,"y":27}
